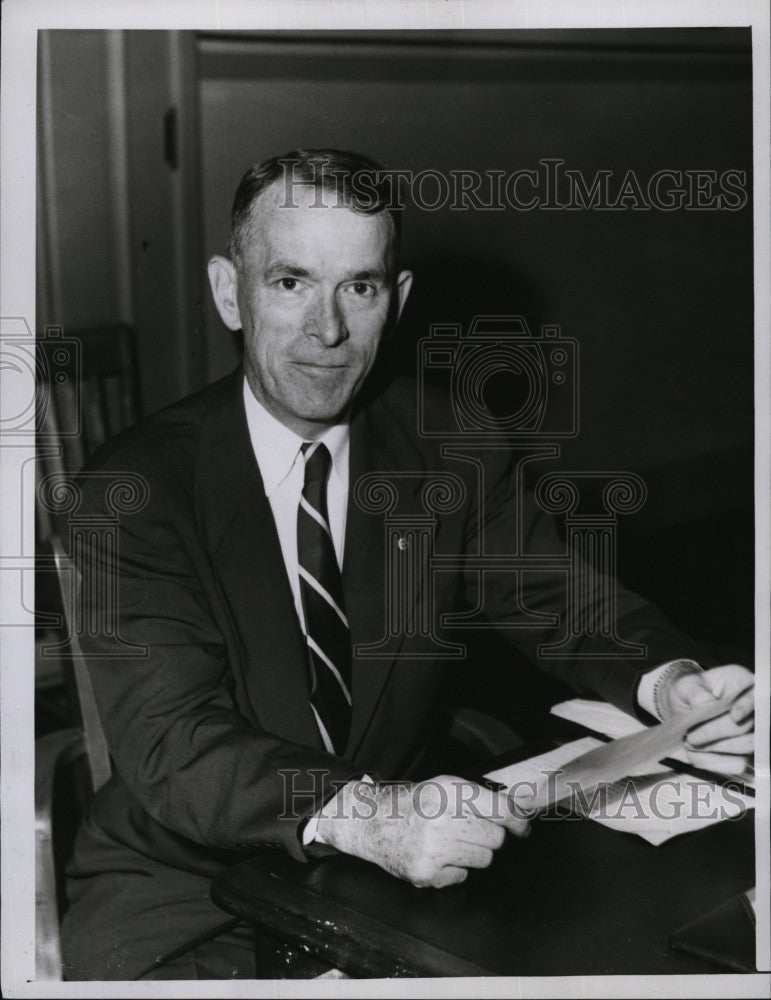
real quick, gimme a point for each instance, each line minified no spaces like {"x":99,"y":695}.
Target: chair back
{"x":91,"y":389}
{"x":95,"y":741}
{"x":54,"y":753}
{"x":91,"y":395}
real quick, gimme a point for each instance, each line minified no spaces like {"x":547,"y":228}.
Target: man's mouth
{"x":320,"y":367}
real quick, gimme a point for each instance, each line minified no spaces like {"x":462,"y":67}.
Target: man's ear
{"x":224,"y":288}
{"x":403,"y":286}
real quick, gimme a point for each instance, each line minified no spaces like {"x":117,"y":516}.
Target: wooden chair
{"x":82,"y":751}
{"x":84,"y":745}
{"x":88,"y":391}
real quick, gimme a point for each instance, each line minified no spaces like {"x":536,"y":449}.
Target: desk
{"x":575,"y":898}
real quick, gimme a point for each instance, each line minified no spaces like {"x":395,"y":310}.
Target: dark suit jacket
{"x":212,"y":725}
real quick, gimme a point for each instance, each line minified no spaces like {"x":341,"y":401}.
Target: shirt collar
{"x":276,"y":447}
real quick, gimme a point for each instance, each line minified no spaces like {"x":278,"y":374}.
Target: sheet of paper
{"x":602,"y":717}
{"x":656,"y":804}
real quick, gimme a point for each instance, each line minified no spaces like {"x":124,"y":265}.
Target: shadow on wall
{"x":699,"y":570}
{"x":455,"y":290}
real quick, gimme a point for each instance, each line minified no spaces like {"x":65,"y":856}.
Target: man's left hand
{"x":724,"y":744}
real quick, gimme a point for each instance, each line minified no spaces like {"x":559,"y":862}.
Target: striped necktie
{"x":326,"y":626}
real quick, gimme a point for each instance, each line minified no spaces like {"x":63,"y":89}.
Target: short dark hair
{"x":359,"y":183}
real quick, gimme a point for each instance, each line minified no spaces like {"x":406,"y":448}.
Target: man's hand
{"x":724,"y":744}
{"x":429,"y":833}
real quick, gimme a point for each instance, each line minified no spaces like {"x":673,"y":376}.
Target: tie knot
{"x":317,"y":462}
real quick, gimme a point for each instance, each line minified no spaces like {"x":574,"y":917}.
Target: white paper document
{"x":656,"y":804}
{"x":602,"y":717}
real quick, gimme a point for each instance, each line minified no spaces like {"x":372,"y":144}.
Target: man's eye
{"x":288,"y":284}
{"x":362,"y":288}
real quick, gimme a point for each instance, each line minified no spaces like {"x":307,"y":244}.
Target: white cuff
{"x":646,"y":691}
{"x":311,"y":831}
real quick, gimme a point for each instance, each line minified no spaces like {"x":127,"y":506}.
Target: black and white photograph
{"x":384,"y":460}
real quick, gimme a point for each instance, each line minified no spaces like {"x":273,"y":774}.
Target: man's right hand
{"x":428,"y":833}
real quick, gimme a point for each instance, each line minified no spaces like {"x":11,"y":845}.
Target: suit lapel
{"x":378,"y":445}
{"x":246,"y":553}
{"x":241,"y":536}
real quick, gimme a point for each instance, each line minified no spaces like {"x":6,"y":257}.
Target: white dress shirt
{"x":282,"y":467}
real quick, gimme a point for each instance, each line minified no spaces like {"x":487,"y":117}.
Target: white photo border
{"x":21,"y":21}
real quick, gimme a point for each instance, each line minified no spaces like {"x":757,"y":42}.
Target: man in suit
{"x":253,"y":573}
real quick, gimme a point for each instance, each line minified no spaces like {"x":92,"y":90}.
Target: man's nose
{"x":327,"y":323}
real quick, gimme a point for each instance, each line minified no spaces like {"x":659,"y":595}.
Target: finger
{"x":730,"y":678}
{"x":485,"y":803}
{"x":498,"y":808}
{"x":470,"y":856}
{"x":734,"y":744}
{"x":511,"y":813}
{"x":517,"y":825}
{"x":692,"y":690}
{"x":733,"y":675}
{"x":721,"y":728}
{"x":744,"y":706}
{"x":449,"y":875}
{"x":724,"y":763}
{"x":482,"y":832}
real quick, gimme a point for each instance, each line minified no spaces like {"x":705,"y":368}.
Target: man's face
{"x":312,"y":295}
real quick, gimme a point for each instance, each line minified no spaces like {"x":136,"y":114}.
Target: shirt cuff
{"x":311,"y":829}
{"x":646,"y":690}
